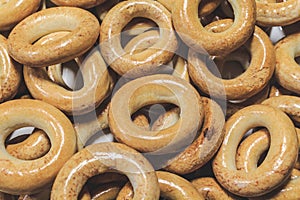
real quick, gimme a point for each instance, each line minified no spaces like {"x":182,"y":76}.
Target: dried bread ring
{"x":277,"y":14}
{"x":249,"y":153}
{"x":191,"y":31}
{"x":252,"y":81}
{"x":278,"y":163}
{"x":82,"y":25}
{"x":148,"y":61}
{"x":10,"y":73}
{"x":96,"y":77}
{"x":28,"y":177}
{"x":104,"y":157}
{"x":149,"y":90}
{"x":13,"y":11}
{"x":287,"y":71}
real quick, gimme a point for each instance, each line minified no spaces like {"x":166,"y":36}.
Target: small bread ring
{"x":191,"y":31}
{"x":149,"y":90}
{"x":13,"y":11}
{"x":103,"y":157}
{"x":287,"y":70}
{"x":10,"y":73}
{"x":35,"y":146}
{"x":171,"y":186}
{"x":78,"y":3}
{"x":278,"y":163}
{"x":96,"y":77}
{"x":28,"y":177}
{"x":277,"y":14}
{"x":107,"y":191}
{"x":205,"y":146}
{"x":209,"y":188}
{"x":148,"y":61}
{"x":253,"y":80}
{"x":82,"y":25}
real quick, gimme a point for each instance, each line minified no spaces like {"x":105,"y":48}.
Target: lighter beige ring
{"x":13,"y":11}
{"x":106,"y":157}
{"x":148,"y":61}
{"x":150,"y":90}
{"x":27,"y":177}
{"x":252,"y":81}
{"x":97,"y":85}
{"x":287,"y":71}
{"x":191,"y":31}
{"x":278,"y":163}
{"x":78,"y":3}
{"x":10,"y":73}
{"x":277,"y":14}
{"x":82,"y":25}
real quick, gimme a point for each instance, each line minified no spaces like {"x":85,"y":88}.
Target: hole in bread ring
{"x":34,"y":175}
{"x":82,"y":25}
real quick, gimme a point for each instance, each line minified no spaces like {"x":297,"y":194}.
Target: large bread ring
{"x":149,"y":90}
{"x":104,"y":157}
{"x":252,"y":81}
{"x":82,"y":25}
{"x":277,"y":14}
{"x":13,"y":11}
{"x":171,"y":186}
{"x":148,"y":61}
{"x":10,"y":76}
{"x":27,"y":177}
{"x":278,"y":163}
{"x":78,"y":3}
{"x":96,"y":77}
{"x":191,"y":31}
{"x":287,"y":71}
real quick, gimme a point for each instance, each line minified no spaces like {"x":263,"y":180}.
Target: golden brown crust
{"x":78,"y":41}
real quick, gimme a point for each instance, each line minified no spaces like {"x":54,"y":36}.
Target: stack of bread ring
{"x":149,"y":99}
